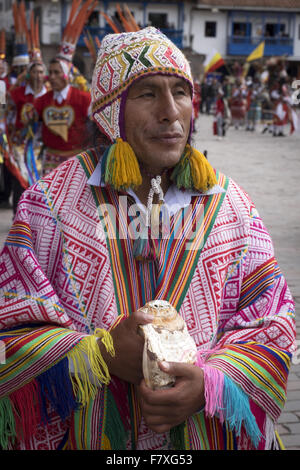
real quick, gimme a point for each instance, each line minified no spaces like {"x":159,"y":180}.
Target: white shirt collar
{"x":29,"y":91}
{"x":61,"y":95}
{"x":175,"y":199}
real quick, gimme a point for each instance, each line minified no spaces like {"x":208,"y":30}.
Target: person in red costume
{"x":281,"y":116}
{"x":221,"y":113}
{"x":5,"y":176}
{"x":23,"y":96}
{"x":64,"y":113}
{"x":21,"y":111}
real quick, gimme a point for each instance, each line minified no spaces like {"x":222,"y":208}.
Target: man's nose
{"x":168,"y":109}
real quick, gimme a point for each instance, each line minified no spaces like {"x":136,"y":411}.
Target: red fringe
{"x":26,"y":410}
{"x":260,"y":417}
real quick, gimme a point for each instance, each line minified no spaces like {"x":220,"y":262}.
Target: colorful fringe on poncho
{"x":64,"y":284}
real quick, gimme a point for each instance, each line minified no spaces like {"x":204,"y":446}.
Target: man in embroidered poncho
{"x":75,"y":270}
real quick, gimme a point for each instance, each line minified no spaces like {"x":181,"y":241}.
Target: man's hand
{"x":21,"y":78}
{"x":163,"y":409}
{"x":128,"y":344}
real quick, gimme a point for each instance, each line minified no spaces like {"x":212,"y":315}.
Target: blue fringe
{"x":237,"y":411}
{"x":56,"y":386}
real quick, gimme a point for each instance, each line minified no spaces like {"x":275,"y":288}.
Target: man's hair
{"x":34,"y":64}
{"x":55,"y":60}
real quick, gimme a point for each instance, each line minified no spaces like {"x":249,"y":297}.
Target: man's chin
{"x":168,"y":161}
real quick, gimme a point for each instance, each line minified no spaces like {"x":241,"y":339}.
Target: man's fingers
{"x":141,"y":318}
{"x":177,"y":369}
{"x":157,"y":398}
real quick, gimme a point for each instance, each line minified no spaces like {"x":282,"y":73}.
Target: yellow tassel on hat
{"x":122,"y":170}
{"x":193,"y":171}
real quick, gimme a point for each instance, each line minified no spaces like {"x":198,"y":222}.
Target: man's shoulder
{"x":237,"y":194}
{"x":79,"y":97}
{"x":76,"y":92}
{"x":45,"y":97}
{"x":17,"y":92}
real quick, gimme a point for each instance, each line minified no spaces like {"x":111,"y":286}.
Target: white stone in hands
{"x":166,"y":339}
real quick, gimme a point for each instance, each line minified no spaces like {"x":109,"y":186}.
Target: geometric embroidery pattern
{"x":63,"y":275}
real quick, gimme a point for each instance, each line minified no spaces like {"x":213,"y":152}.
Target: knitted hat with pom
{"x":124,"y":58}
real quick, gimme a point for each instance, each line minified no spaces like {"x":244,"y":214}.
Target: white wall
{"x":138,"y":10}
{"x":297,"y":38}
{"x":202,"y":44}
{"x":51,"y":22}
{"x":171,"y":10}
{"x":6,"y":19}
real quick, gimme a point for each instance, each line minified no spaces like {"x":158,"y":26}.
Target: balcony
{"x":175,"y":35}
{"x":274,"y":46}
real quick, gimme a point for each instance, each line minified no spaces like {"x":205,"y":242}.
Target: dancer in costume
{"x":73,"y":286}
{"x":238,"y":104}
{"x":63,"y":111}
{"x":64,"y":114}
{"x":221,"y":113}
{"x":5,"y":175}
{"x":24,"y":137}
{"x":281,"y":116}
{"x":254,"y":108}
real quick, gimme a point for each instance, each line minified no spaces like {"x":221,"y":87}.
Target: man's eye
{"x":180,"y":91}
{"x":147,"y":94}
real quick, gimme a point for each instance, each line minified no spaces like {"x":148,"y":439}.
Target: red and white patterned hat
{"x":124,"y":58}
{"x":78,"y":16}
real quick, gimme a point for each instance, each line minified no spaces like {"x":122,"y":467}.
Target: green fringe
{"x":182,"y":174}
{"x":177,"y":437}
{"x":7,"y":423}
{"x":114,"y":428}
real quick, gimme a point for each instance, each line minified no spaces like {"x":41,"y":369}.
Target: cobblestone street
{"x":268,"y":169}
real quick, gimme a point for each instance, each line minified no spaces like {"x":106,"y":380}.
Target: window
{"x":94,"y":19}
{"x":274,"y":29}
{"x":241,"y":29}
{"x":210,"y":29}
{"x":159,"y":20}
{"x":8,"y":5}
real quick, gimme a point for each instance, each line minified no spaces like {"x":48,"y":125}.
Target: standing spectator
{"x":253,"y":106}
{"x":281,"y":115}
{"x":220,"y":115}
{"x":238,"y":104}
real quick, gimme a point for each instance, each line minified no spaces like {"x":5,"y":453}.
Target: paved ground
{"x":268,"y":169}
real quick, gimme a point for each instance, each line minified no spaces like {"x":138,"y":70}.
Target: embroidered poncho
{"x":64,"y":283}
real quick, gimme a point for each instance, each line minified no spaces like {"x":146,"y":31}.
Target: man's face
{"x":36,"y":76}
{"x":57,"y":77}
{"x":158,"y":115}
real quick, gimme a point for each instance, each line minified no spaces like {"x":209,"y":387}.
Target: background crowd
{"x":45,"y":114}
{"x":257,"y":96}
